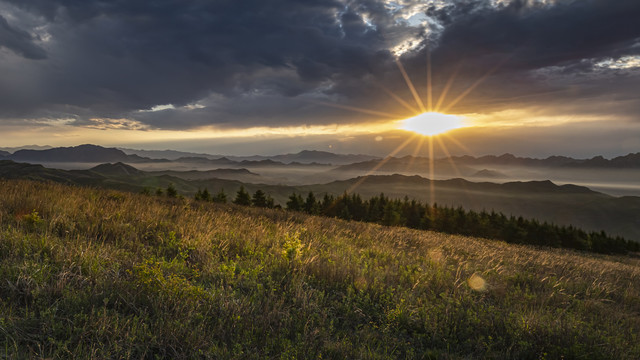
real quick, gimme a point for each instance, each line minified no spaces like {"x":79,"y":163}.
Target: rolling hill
{"x":542,"y":200}
{"x":95,"y":273}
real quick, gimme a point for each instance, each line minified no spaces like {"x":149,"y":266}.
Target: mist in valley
{"x":611,"y":181}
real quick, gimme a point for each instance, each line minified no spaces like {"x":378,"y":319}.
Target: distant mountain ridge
{"x":491,"y":174}
{"x":631,"y":160}
{"x":117,"y":169}
{"x":88,"y":153}
{"x":406,"y":163}
{"x":13,"y":149}
{"x":80,"y":153}
{"x":99,"y":154}
{"x":302,"y":157}
{"x":167,"y":154}
{"x":316,"y":156}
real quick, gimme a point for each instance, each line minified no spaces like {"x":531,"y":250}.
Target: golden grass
{"x":106,"y":274}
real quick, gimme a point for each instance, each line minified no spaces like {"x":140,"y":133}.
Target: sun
{"x":431,"y":123}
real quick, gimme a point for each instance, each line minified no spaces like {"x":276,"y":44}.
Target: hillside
{"x":97,"y":273}
{"x":543,"y":200}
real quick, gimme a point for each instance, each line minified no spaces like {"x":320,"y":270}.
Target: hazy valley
{"x":605,"y":197}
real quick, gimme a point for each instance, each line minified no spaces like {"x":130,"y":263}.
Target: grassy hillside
{"x":104,"y":274}
{"x":542,"y":200}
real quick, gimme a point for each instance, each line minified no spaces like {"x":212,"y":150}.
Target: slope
{"x":98,"y":273}
{"x":543,"y":200}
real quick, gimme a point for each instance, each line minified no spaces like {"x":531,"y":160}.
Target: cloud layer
{"x":248,"y":63}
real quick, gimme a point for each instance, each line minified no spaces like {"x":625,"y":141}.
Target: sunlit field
{"x":90,"y":273}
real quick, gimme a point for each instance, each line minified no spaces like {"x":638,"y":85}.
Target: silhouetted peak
{"x":117,"y":168}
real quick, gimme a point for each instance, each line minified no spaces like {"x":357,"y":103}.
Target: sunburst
{"x":431,"y":123}
{"x":427,"y":122}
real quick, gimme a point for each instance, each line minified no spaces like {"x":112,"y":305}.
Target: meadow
{"x":95,"y":273}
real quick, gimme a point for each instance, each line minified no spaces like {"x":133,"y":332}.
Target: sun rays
{"x":428,"y":122}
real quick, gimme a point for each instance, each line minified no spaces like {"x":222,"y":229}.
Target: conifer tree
{"x":242,"y":197}
{"x":220,"y":197}
{"x":295,"y":202}
{"x":171,"y":191}
{"x":205,"y":195}
{"x":310,"y":205}
{"x":259,"y":199}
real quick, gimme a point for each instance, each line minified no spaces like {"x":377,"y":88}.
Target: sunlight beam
{"x":432,"y":190}
{"x":429,"y":86}
{"x":397,"y":98}
{"x":475,"y":84}
{"x":381,"y":163}
{"x":356,"y":109}
{"x":410,"y":85}
{"x":416,"y":151}
{"x":446,"y":152}
{"x":461,"y":145}
{"x":443,"y":95}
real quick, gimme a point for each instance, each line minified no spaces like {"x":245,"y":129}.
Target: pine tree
{"x":259,"y":199}
{"x":271,"y":203}
{"x":205,"y":196}
{"x":391,"y":216}
{"x":220,"y":197}
{"x":295,"y":202}
{"x":171,"y":191}
{"x":310,"y":205}
{"x":242,"y":197}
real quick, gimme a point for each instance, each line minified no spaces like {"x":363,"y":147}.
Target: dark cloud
{"x":19,"y":41}
{"x":256,"y":62}
{"x":540,"y":36}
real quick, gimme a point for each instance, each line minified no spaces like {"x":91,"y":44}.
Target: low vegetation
{"x":414,"y":214}
{"x":103,"y":274}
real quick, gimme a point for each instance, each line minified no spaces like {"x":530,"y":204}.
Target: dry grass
{"x":96,"y":273}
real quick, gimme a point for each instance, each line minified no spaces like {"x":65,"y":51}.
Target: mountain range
{"x":407,"y":163}
{"x":542,"y":200}
{"x":302,"y":157}
{"x":83,"y":153}
{"x":88,"y":153}
{"x":98,"y":154}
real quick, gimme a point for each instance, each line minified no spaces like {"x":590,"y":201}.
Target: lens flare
{"x":477,"y":283}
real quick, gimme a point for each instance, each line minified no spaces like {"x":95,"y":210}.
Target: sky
{"x":528,"y":77}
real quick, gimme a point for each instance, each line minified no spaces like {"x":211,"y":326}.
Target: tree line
{"x":414,"y":214}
